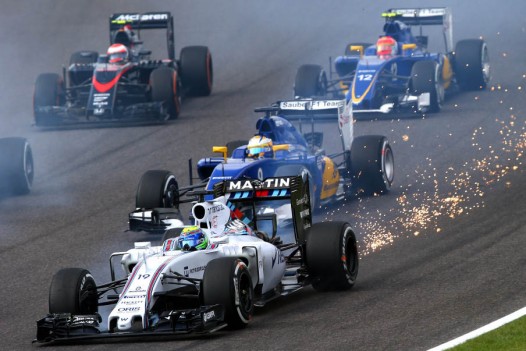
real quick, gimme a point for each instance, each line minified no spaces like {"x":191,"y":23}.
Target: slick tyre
{"x":16,"y":166}
{"x":311,"y":81}
{"x":332,"y":256}
{"x":197,"y":70}
{"x":73,"y":290}
{"x":372,"y":165}
{"x":227,"y":282}
{"x":425,"y":78}
{"x":49,"y":91}
{"x":472,"y":67}
{"x":165,"y":89}
{"x":157,"y":189}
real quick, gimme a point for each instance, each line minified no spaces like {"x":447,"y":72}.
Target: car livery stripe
{"x":104,"y":87}
{"x":152,"y":284}
{"x":356,"y":100}
{"x":134,"y":272}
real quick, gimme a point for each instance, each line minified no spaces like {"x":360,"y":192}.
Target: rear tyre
{"x":16,"y":166}
{"x":425,"y":78}
{"x":157,"y":189}
{"x":472,"y":67}
{"x":311,"y":81}
{"x":227,"y":282}
{"x":73,"y":290}
{"x":197,"y":70}
{"x":49,"y":91}
{"x":332,"y":256}
{"x":372,"y":165}
{"x":164,"y":85}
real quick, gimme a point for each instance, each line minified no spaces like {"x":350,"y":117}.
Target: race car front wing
{"x":67,"y":327}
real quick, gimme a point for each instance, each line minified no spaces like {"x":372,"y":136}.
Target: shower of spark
{"x":454,"y":192}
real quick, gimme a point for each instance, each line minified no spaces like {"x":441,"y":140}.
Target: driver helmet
{"x":117,"y":53}
{"x":192,"y":238}
{"x":386,"y":46}
{"x":258,"y":145}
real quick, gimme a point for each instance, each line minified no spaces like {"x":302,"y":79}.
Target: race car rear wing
{"x":425,"y":17}
{"x":149,"y":20}
{"x":315,"y":111}
{"x":250,"y":191}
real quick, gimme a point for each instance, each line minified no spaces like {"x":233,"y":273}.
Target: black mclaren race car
{"x":16,"y":166}
{"x":125,"y":85}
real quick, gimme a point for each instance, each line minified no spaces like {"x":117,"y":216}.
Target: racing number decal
{"x":365,"y":77}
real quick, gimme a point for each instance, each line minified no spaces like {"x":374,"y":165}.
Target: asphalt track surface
{"x":442,"y":254}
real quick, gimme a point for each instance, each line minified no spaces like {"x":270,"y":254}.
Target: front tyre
{"x":372,"y":165}
{"x":332,"y":256}
{"x":73,"y":290}
{"x":157,"y":189}
{"x":164,"y":89}
{"x":227,"y":282}
{"x":311,"y":81}
{"x":49,"y":91}
{"x":426,"y":78}
{"x":16,"y":165}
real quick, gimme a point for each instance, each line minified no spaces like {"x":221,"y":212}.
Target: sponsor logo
{"x":141,"y":296}
{"x":208,"y":316}
{"x":303,"y":201}
{"x":304,"y":213}
{"x":271,"y":183}
{"x":277,"y":257}
{"x":188,"y":271}
{"x":215,"y":209}
{"x":139,"y":17}
{"x":128,"y":309}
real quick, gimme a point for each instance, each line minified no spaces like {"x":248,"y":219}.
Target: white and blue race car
{"x":209,"y":275}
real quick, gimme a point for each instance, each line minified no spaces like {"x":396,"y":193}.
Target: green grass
{"x":509,"y":337}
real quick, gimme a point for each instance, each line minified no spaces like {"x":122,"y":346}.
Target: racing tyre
{"x":73,"y":290}
{"x":472,"y":67}
{"x":332,"y":256}
{"x":232,"y":145}
{"x":83,"y":57}
{"x":197,"y":70}
{"x":349,"y":52}
{"x":372,"y":165}
{"x":227,"y":282}
{"x":16,"y":166}
{"x":426,"y":78}
{"x":164,"y":85}
{"x":157,"y":189}
{"x":49,"y":91}
{"x":311,"y":81}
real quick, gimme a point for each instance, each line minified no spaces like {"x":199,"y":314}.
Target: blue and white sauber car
{"x":209,"y":275}
{"x":398,"y":72}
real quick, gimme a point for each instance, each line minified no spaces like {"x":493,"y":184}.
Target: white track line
{"x":482,"y":330}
